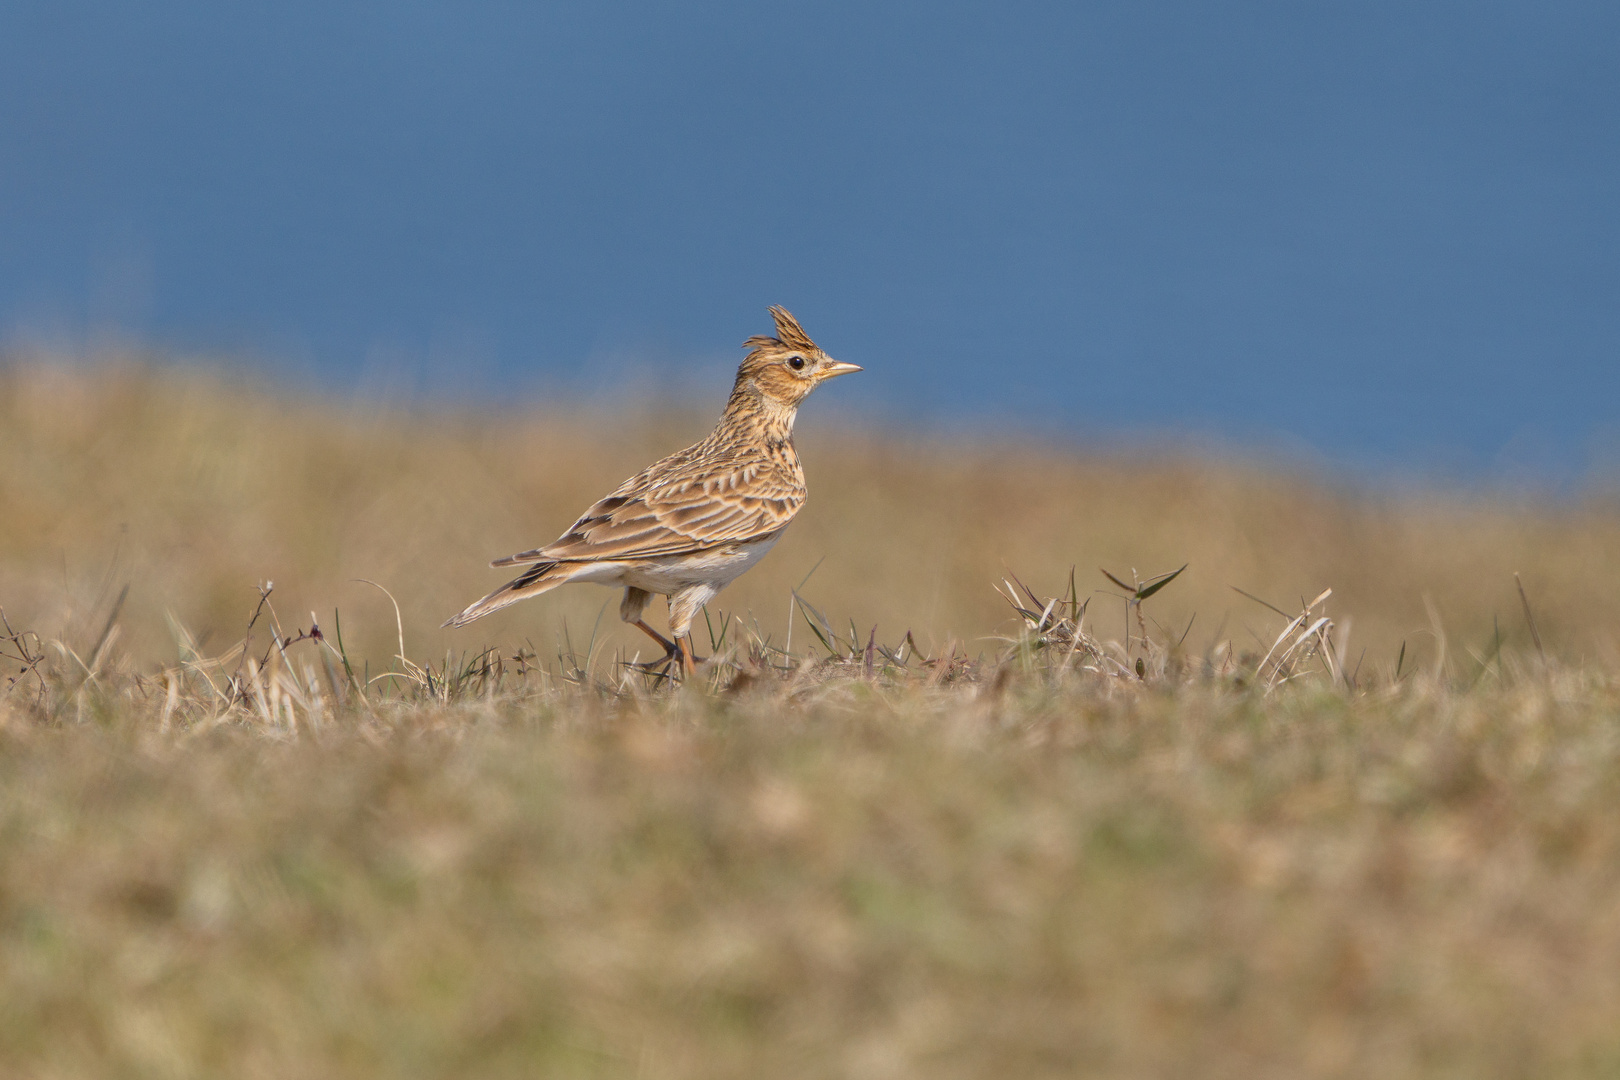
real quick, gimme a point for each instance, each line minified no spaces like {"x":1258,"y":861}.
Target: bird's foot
{"x":678,"y":652}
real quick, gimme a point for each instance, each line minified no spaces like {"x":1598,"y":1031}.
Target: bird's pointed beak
{"x":836,"y":368}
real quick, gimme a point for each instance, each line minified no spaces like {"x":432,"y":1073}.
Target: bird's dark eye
{"x":796,"y":363}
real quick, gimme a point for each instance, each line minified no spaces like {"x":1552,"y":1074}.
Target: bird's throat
{"x":751,"y":416}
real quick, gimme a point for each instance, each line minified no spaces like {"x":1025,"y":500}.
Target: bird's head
{"x":785,"y":368}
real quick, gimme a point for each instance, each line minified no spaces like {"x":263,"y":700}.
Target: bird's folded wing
{"x":674,"y":518}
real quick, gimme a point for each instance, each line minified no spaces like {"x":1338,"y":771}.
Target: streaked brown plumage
{"x":688,"y":525}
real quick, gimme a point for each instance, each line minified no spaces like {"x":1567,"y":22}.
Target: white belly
{"x":717,"y":568}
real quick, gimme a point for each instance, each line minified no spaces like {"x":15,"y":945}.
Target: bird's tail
{"x":539,"y":578}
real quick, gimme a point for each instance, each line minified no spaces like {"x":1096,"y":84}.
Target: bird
{"x":688,"y":525}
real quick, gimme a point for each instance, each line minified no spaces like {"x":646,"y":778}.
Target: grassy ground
{"x":1070,"y":876}
{"x":993,"y":848}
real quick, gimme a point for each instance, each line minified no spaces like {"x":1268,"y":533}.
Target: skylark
{"x":687,"y":526}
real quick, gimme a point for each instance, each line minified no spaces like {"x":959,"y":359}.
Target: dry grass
{"x":992,"y":847}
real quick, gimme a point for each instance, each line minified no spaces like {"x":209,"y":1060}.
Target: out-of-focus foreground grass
{"x":1066,"y":879}
{"x":880,"y":865}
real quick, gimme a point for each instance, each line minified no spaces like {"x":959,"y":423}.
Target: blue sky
{"x":1383,"y":233}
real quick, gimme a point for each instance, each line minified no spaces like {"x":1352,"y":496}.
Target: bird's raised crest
{"x":789,"y":334}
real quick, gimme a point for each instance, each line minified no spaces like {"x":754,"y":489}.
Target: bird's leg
{"x":688,"y":659}
{"x":684,"y":603}
{"x":670,"y":648}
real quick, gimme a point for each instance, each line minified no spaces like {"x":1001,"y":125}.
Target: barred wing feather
{"x":676,"y":517}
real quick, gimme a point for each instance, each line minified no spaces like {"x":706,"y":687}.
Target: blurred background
{"x":1306,"y":295}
